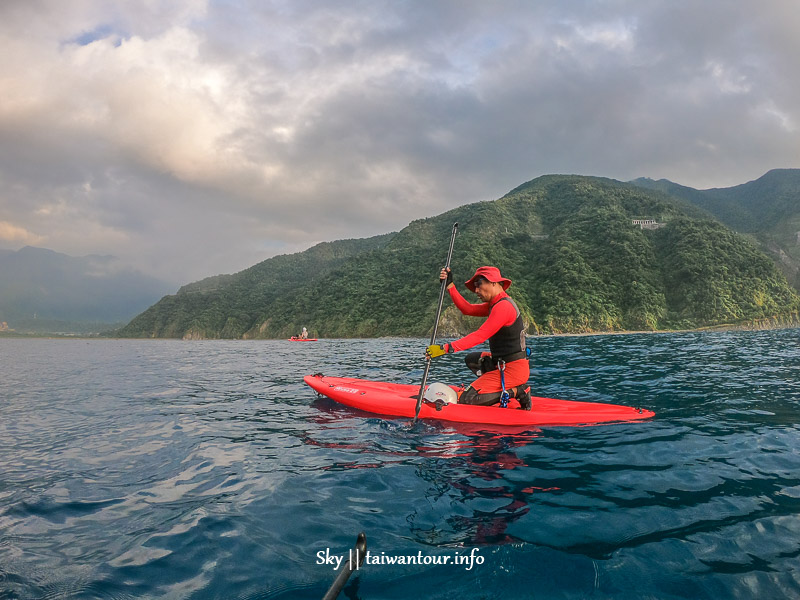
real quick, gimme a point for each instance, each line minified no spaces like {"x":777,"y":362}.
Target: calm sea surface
{"x":168,"y":469}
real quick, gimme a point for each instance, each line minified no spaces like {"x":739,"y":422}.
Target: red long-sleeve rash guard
{"x":500,"y":315}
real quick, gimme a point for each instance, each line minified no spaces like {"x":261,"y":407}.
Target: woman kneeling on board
{"x":506,"y":334}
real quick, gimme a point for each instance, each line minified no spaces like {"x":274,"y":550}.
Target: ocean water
{"x":168,"y":469}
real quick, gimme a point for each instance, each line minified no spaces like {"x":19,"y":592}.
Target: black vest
{"x":509,"y":342}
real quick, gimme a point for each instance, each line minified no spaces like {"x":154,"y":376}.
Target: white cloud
{"x":727,"y":80}
{"x":18,"y":235}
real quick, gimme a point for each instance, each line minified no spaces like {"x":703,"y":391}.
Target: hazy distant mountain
{"x":46,"y":291}
{"x":767,"y":208}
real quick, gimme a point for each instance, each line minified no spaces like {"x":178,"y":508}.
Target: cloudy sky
{"x":196,"y":137}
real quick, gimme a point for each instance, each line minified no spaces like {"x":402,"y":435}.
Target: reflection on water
{"x":207,"y":469}
{"x":477,"y":496}
{"x":470,"y":501}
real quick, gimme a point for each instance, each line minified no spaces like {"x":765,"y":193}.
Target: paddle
{"x":435,"y":323}
{"x":360,"y":551}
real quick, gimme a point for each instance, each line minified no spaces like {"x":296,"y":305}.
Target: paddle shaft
{"x":436,"y":322}
{"x":359,"y":551}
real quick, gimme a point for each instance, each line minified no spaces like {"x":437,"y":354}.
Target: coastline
{"x":768,"y":324}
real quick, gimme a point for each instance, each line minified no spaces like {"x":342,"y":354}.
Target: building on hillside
{"x":647,"y":223}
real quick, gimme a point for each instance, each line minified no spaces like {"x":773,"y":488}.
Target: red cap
{"x":490,"y":273}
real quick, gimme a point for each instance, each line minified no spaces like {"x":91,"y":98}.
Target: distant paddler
{"x":303,"y":337}
{"x":505,"y":368}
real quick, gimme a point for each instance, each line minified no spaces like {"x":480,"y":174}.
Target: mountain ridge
{"x":767,"y":209}
{"x":569,"y":243}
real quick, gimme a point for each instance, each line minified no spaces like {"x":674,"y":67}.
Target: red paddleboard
{"x":400,"y":400}
{"x":299,"y":339}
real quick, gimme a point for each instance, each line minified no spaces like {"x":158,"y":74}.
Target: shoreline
{"x":762,"y":325}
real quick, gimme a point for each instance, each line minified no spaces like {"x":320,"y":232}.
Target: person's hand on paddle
{"x":435,"y":350}
{"x":446,"y":275}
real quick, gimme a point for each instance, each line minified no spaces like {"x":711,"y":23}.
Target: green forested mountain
{"x":229,"y":306}
{"x":569,"y":244}
{"x":767,"y":209}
